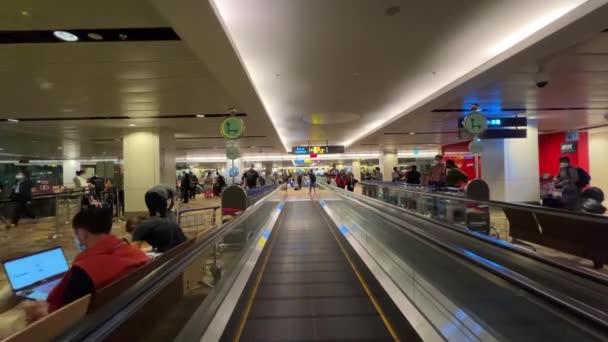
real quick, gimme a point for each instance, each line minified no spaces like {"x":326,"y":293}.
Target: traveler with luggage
{"x":351,"y":182}
{"x":313,"y":182}
{"x":570,"y":174}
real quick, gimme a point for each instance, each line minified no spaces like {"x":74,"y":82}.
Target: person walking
{"x":396,"y":175}
{"x":351,"y":182}
{"x":185,"y":187}
{"x":413,"y":176}
{"x":378,"y":176}
{"x":438,"y":173}
{"x":22,"y":196}
{"x":79,"y":182}
{"x":313,"y":183}
{"x":341,"y":180}
{"x":193,"y":185}
{"x":454,"y":177}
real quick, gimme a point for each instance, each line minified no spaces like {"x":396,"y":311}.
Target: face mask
{"x":562,"y":165}
{"x":79,"y":245}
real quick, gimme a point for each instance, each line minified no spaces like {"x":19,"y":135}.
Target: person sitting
{"x":160,"y":233}
{"x":454,"y":177}
{"x":104,"y":258}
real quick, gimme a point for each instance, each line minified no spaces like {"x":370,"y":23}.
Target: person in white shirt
{"x":79,"y":182}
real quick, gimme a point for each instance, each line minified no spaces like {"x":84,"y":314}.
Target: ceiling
{"x":139,"y":80}
{"x":340,"y":71}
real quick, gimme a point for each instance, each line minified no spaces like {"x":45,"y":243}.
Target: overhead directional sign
{"x":500,"y":128}
{"x":475,"y":123}
{"x":317,"y":149}
{"x":232,"y":128}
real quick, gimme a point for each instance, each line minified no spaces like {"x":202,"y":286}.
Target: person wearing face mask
{"x":22,"y":196}
{"x":567,"y":174}
{"x":104,"y":258}
{"x":438,"y":172}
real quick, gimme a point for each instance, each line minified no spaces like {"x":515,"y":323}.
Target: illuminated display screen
{"x":317,"y":149}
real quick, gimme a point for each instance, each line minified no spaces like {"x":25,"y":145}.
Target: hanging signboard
{"x":232,"y":128}
{"x":317,"y":149}
{"x":475,"y":123}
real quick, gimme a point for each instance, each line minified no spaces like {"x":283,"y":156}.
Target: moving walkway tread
{"x":309,"y":285}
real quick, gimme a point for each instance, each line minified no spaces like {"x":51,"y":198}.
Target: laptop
{"x":34,"y":276}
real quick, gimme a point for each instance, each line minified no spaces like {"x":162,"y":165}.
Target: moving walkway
{"x":341,"y":268}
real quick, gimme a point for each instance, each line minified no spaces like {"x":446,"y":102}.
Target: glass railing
{"x":186,"y":291}
{"x":544,"y":230}
{"x":463,"y":295}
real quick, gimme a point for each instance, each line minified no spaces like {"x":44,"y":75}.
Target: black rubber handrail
{"x":100,"y":324}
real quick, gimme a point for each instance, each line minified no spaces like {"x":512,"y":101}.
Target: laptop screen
{"x":25,"y":271}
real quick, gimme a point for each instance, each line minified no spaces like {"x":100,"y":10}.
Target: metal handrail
{"x":595,"y":218}
{"x":100,"y":324}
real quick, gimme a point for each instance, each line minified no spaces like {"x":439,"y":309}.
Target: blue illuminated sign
{"x":494,"y":122}
{"x":301,"y":150}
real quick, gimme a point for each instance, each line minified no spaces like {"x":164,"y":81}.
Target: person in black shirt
{"x":413,"y":177}
{"x":160,"y":199}
{"x":22,"y":196}
{"x":160,"y":233}
{"x":251,"y":177}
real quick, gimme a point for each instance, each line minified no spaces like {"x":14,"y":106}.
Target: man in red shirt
{"x":103,"y":259}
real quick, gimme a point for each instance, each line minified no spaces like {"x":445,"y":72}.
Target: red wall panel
{"x":549,"y":152}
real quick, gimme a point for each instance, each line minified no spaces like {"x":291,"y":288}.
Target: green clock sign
{"x":475,"y":123}
{"x":232,"y":128}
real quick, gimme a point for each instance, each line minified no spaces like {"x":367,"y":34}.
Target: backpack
{"x":583,"y":178}
{"x":313,"y":177}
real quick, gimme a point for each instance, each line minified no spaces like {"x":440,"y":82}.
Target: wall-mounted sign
{"x":317,"y":149}
{"x":572,"y":135}
{"x":569,"y":147}
{"x":232,"y":128}
{"x":475,"y":123}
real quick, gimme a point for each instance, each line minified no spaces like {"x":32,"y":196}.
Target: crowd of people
{"x":189,"y":185}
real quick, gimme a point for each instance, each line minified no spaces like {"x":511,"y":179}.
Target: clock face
{"x":232,"y":128}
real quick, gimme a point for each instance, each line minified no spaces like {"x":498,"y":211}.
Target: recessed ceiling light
{"x":122,"y":36}
{"x":65,"y":36}
{"x":1,"y":149}
{"x":200,"y":115}
{"x":60,"y":148}
{"x":132,"y":125}
{"x":67,"y":110}
{"x":25,"y":13}
{"x":46,"y":85}
{"x":532,"y":117}
{"x":95,"y":36}
{"x":412,"y":133}
{"x":12,"y":120}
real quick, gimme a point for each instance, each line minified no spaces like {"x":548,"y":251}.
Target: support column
{"x":149,"y":159}
{"x":387,"y":162}
{"x":510,"y":167}
{"x":69,"y":172}
{"x":356,"y":170}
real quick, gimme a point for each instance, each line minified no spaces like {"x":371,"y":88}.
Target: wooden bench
{"x":52,"y":325}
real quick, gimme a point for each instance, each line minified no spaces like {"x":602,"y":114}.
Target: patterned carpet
{"x":30,"y":237}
